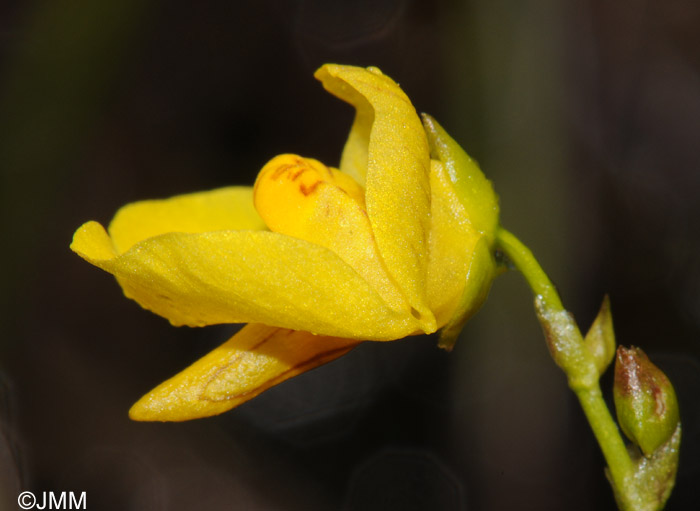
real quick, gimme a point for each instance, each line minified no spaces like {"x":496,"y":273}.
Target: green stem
{"x":621,"y":466}
{"x":522,"y":258}
{"x":570,"y":353}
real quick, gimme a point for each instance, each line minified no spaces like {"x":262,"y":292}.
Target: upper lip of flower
{"x":207,"y":258}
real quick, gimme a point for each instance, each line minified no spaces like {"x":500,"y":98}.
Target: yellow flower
{"x":315,"y":259}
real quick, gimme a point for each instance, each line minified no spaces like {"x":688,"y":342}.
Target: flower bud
{"x":646,"y":404}
{"x":600,"y":339}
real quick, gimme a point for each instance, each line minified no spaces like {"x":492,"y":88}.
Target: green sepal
{"x":478,"y":283}
{"x":600,"y":339}
{"x":474,"y":191}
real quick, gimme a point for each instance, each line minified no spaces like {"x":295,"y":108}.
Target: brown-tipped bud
{"x":600,"y":339}
{"x":646,"y":404}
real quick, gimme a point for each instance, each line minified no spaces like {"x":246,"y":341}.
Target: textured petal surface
{"x":228,"y":208}
{"x":303,"y":198}
{"x":255,"y":359}
{"x":245,"y":276}
{"x":397,"y":189}
{"x":355,"y":155}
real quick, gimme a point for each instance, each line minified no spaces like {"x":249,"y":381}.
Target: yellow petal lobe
{"x":242,"y":277}
{"x":288,"y":188}
{"x":216,"y":210}
{"x":303,"y":198}
{"x":397,"y":189}
{"x":255,"y":359}
{"x":91,"y":238}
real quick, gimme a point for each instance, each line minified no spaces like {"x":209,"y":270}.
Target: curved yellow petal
{"x":255,"y":359}
{"x":303,"y":198}
{"x":397,"y":185}
{"x":354,"y":158}
{"x":245,"y":276}
{"x":217,"y":210}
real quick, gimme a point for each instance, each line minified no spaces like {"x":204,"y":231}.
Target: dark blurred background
{"x":586,"y":116}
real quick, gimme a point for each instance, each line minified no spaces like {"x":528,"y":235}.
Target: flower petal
{"x":245,"y":276}
{"x":255,"y":359}
{"x":303,"y":198}
{"x":397,"y":183}
{"x":228,"y":208}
